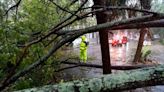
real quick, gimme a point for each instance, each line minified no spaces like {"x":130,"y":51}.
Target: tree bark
{"x":146,"y":5}
{"x":110,"y":83}
{"x":70,"y":36}
{"x":140,"y":44}
{"x":102,"y":17}
{"x":152,"y":24}
{"x":123,"y":67}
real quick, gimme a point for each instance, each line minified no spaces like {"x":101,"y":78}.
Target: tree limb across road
{"x":116,"y":67}
{"x":132,"y":79}
{"x":72,"y":35}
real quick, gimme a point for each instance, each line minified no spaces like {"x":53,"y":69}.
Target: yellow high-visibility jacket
{"x":83,"y":49}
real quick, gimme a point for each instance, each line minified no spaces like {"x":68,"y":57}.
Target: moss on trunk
{"x":112,"y":82}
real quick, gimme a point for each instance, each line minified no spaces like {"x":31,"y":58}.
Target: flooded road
{"x":119,"y":56}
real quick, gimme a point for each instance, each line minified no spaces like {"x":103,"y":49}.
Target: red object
{"x":114,"y":42}
{"x":124,"y":40}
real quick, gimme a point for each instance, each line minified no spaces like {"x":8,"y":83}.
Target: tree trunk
{"x":146,"y":5}
{"x":110,"y":83}
{"x":140,"y":44}
{"x":102,"y":17}
{"x":117,"y":67}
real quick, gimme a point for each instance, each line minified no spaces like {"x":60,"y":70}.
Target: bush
{"x":162,"y":41}
{"x":145,"y":53}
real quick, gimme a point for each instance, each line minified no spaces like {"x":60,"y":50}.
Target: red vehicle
{"x":119,"y":42}
{"x":124,"y":40}
{"x":114,"y":42}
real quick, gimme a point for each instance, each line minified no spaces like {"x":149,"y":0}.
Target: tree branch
{"x":140,"y":25}
{"x":126,"y":80}
{"x":75,"y":34}
{"x":58,"y":26}
{"x":36,"y":41}
{"x":123,"y":67}
{"x":126,"y":8}
{"x":14,"y":6}
{"x":32,"y":66}
{"x":113,"y":24}
{"x":63,"y":9}
{"x":66,"y":68}
{"x":73,"y":2}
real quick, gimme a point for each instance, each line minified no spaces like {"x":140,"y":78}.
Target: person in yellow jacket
{"x":83,"y":49}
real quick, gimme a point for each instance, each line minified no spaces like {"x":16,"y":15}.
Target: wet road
{"x":119,"y":56}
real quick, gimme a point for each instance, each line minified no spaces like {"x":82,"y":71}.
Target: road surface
{"x":119,"y":56}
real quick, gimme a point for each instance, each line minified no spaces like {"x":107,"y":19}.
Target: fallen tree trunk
{"x":71,"y":35}
{"x":132,"y":79}
{"x":152,"y":24}
{"x":123,"y":67}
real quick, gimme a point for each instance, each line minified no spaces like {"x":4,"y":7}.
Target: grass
{"x":162,"y":41}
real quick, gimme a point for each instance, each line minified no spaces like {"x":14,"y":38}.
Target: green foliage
{"x":95,"y":85}
{"x":66,"y":87}
{"x":145,"y":52}
{"x":157,"y":6}
{"x":33,"y":20}
{"x":159,"y":31}
{"x":162,"y":41}
{"x":23,"y":84}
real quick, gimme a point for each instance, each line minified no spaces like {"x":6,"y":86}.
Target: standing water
{"x":119,"y":56}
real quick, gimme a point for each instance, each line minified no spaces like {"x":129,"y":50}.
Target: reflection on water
{"x":119,"y":56}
